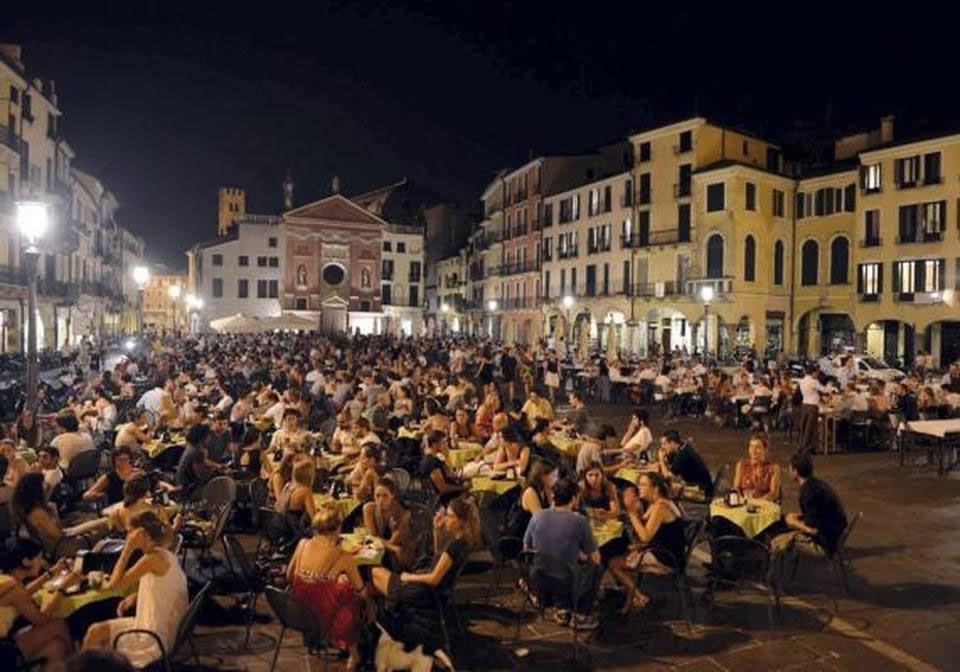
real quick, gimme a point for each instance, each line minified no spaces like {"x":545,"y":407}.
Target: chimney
{"x":38,"y":84}
{"x":886,"y":129}
{"x":335,"y":184}
{"x":53,"y":92}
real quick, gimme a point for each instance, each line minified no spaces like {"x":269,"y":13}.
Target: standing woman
{"x":161,"y":599}
{"x":552,"y":376}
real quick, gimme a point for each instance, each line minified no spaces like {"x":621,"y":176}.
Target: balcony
{"x":603,"y":246}
{"x":9,"y":139}
{"x":492,"y":209}
{"x":662,"y":237}
{"x":569,"y":253}
{"x":921,"y":237}
{"x":868,"y":298}
{"x":681,"y":189}
{"x":721,"y":286}
{"x":871,"y":242}
{"x":919,"y":298}
{"x":932,"y":180}
{"x":657,"y":290}
{"x":682,"y":148}
{"x":11,"y":275}
{"x":520,"y":303}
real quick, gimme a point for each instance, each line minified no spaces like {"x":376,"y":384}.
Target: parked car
{"x":871,"y":367}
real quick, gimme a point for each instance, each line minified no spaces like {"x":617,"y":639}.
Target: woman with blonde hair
{"x":326,"y":577}
{"x":296,"y":498}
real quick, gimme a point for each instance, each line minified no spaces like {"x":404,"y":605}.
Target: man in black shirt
{"x":433,"y":468}
{"x":679,"y":458}
{"x":195,"y":468}
{"x":817,"y":529}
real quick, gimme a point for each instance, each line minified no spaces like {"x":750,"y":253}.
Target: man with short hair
{"x":678,"y":458}
{"x":560,"y":538}
{"x":195,"y":468}
{"x":219,"y":444}
{"x":379,"y":414}
{"x":577,"y":417}
{"x":810,"y":391}
{"x":536,"y":407}
{"x":48,"y":464}
{"x":817,"y":529}
{"x":508,"y":372}
{"x":70,"y":441}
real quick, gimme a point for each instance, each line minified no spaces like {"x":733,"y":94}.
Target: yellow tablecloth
{"x":564,"y":443}
{"x":70,"y":603}
{"x":346,"y":505}
{"x":465,"y":452}
{"x":606,"y":531}
{"x":29,"y":455}
{"x":752,"y":523}
{"x":486,"y":484}
{"x":632,"y":474}
{"x":262,"y":424}
{"x":404,"y":433}
{"x":155,"y":448}
{"x":371,"y":554}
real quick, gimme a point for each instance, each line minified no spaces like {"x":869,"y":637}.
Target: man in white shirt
{"x":810,"y":390}
{"x":70,"y":441}
{"x":47,"y":464}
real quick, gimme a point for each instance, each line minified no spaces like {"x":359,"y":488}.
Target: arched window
{"x":750,"y":259}
{"x":778,"y":263}
{"x":839,"y":261}
{"x":715,"y":256}
{"x":809,"y":260}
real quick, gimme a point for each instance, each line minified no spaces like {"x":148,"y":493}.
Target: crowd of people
{"x":378,"y":421}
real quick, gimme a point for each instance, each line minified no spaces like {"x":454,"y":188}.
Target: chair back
{"x":219,"y":492}
{"x":83,"y":466}
{"x":240,"y":562}
{"x":842,"y":541}
{"x":718,"y":479}
{"x":421,"y":534}
{"x":559,"y":569}
{"x":274,"y":528}
{"x":185,"y":629}
{"x":295,"y":614}
{"x":401,"y":477}
{"x":692,"y":529}
{"x":739,"y":558}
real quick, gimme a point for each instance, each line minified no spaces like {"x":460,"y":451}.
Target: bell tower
{"x":231,"y":204}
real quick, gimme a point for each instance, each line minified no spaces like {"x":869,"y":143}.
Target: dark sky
{"x":167,"y":105}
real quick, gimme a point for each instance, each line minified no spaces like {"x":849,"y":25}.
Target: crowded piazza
{"x":355,"y":479}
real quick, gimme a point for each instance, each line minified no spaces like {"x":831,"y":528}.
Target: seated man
{"x":561,"y":537}
{"x":70,"y":441}
{"x":680,"y":459}
{"x":537,"y":407}
{"x":577,"y":417}
{"x":195,"y":468}
{"x":817,"y":529}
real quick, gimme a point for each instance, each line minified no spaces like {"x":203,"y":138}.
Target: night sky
{"x":166,"y":106}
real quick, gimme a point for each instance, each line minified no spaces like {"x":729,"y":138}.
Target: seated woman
{"x":136,"y":500}
{"x":756,"y":476}
{"x":460,"y":427}
{"x":512,"y":455}
{"x":161,"y":599}
{"x":598,"y":496}
{"x":386,"y":518}
{"x":30,"y":507}
{"x":32,"y":628}
{"x":28,"y":429}
{"x":296,"y":498}
{"x":16,"y":465}
{"x":435,"y":420}
{"x":291,"y":437}
{"x":111,"y":483}
{"x":537,"y":496}
{"x":251,"y":450}
{"x":402,"y":404}
{"x":433,"y":467}
{"x":326,"y":578}
{"x":363,"y":479}
{"x":456,"y":531}
{"x":655,"y":522}
{"x":483,"y":419}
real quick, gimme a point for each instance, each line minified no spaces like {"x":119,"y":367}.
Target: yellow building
{"x":161,"y":309}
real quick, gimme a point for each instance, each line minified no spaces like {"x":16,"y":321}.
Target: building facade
{"x":162,"y":310}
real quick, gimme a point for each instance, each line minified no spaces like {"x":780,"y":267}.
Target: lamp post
{"x":444,"y":308}
{"x":706,"y":295}
{"x":174,"y":291}
{"x":568,"y":331}
{"x":141,"y":275}
{"x":194,"y":304}
{"x":492,"y":306}
{"x":32,"y":220}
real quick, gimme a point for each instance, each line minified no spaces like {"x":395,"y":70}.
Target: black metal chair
{"x":80,"y":475}
{"x":838,"y":560}
{"x":676,"y":567}
{"x":247,"y":573}
{"x":296,"y":615}
{"x":184,"y":632}
{"x":738,"y":562}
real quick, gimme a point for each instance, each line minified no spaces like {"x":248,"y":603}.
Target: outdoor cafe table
{"x":346,"y":505}
{"x":943,"y":431}
{"x":605,"y":531}
{"x":261,"y":423}
{"x":155,"y":448}
{"x":71,"y":603}
{"x":410,"y":433}
{"x":463,"y":453}
{"x":563,"y":443}
{"x":753,"y":517}
{"x":633,"y":474}
{"x":494,"y":486}
{"x":366,"y":550}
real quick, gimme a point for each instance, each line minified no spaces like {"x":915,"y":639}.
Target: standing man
{"x":810,"y":390}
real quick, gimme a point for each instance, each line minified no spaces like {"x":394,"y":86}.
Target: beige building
{"x":161,"y":310}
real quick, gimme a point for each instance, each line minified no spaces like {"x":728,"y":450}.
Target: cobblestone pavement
{"x":903,"y":610}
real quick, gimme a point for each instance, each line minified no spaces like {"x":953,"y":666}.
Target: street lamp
{"x":492,"y":305}
{"x":32,"y":220}
{"x":194,"y":304}
{"x":568,"y":332}
{"x":141,"y":275}
{"x":174,"y":291}
{"x":706,"y":295}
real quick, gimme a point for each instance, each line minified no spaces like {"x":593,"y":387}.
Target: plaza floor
{"x":903,"y":612}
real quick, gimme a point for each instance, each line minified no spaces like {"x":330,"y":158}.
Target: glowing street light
{"x":174,"y":291}
{"x":32,"y":220}
{"x":706,"y":295}
{"x":141,"y":276}
{"x":492,"y":304}
{"x":444,"y":308}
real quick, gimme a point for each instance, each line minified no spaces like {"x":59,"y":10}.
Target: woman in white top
{"x":637,"y":438}
{"x":161,"y":599}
